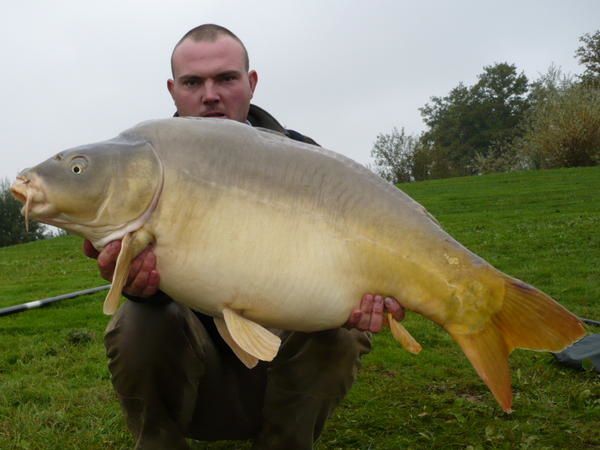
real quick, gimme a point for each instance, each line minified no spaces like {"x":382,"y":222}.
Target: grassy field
{"x":542,"y":227}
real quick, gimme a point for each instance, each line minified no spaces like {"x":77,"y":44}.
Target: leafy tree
{"x":589,"y":56}
{"x":469,"y":120}
{"x":424,"y":163}
{"x":12,"y":223}
{"x":446,"y":118}
{"x":393,"y":156}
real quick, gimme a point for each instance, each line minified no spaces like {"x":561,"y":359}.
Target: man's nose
{"x":211,"y":94}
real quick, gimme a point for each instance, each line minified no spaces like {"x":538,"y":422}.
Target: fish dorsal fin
{"x":248,"y":360}
{"x":131,"y":245}
{"x":251,"y":337}
{"x":402,"y":335}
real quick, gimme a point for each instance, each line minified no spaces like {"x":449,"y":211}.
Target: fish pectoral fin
{"x":251,"y":337}
{"x":131,"y":245}
{"x":245,"y":357}
{"x":402,"y":335}
{"x":111,"y":303}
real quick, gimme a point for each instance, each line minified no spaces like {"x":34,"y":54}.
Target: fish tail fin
{"x":528,"y":319}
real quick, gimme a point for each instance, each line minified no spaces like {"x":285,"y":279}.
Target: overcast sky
{"x":75,"y":72}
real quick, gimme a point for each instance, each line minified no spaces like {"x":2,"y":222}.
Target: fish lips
{"x":27,"y":191}
{"x":19,"y":190}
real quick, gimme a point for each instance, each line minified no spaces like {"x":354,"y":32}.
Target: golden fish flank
{"x":270,"y":230}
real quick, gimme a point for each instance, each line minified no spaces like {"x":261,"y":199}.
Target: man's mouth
{"x":214,"y":114}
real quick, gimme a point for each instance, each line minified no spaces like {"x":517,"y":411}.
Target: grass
{"x":540,"y":226}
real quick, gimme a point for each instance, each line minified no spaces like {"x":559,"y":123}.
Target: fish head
{"x":93,"y":190}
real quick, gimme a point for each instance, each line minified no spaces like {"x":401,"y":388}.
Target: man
{"x":174,"y":375}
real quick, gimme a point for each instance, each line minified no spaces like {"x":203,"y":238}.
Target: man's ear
{"x":170,"y":87}
{"x":253,"y":79}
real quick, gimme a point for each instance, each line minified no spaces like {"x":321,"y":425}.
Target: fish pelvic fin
{"x":528,"y":319}
{"x":131,"y":245}
{"x":246,"y":358}
{"x":251,"y":337}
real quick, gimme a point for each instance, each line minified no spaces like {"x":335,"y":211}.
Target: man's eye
{"x":228,"y":78}
{"x":190,"y":83}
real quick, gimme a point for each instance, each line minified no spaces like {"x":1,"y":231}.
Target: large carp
{"x":259,"y":231}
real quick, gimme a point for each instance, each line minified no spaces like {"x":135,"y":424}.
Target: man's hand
{"x":370,"y":315}
{"x":143,"y":277}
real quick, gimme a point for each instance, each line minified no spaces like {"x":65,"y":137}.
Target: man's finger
{"x":377,"y":314}
{"x":392,"y":306}
{"x":144,"y":261}
{"x":144,"y":283}
{"x":366,"y":307}
{"x":108,"y":258}
{"x":152,"y":286}
{"x":139,"y":283}
{"x":355,"y":316}
{"x":89,"y":250}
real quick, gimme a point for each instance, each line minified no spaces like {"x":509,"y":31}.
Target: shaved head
{"x":210,"y":32}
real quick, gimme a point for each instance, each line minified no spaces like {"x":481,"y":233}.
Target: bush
{"x":502,"y":157}
{"x":563,"y":130}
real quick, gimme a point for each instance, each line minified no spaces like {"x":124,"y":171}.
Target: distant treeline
{"x":503,"y":122}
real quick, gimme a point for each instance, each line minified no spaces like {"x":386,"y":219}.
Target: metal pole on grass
{"x":46,"y":301}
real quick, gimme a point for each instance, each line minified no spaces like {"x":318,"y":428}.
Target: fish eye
{"x":78,"y":165}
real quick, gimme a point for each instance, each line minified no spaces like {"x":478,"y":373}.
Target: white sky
{"x":75,"y":72}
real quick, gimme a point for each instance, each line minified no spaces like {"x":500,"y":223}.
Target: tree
{"x":469,"y":120}
{"x":12,"y":223}
{"x":393,"y":155}
{"x":589,"y":56}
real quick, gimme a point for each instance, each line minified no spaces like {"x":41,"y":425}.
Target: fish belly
{"x":288,"y":271}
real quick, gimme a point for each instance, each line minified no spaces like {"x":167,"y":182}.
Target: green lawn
{"x":542,"y":227}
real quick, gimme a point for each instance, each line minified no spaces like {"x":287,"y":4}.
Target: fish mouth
{"x":26,"y":190}
{"x":21,"y":191}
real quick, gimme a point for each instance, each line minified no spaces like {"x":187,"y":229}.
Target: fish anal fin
{"x":246,"y":358}
{"x":251,"y":337}
{"x":402,"y":335}
{"x":488,"y":353}
{"x":131,"y":245}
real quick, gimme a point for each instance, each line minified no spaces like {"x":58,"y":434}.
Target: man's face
{"x":210,"y":79}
